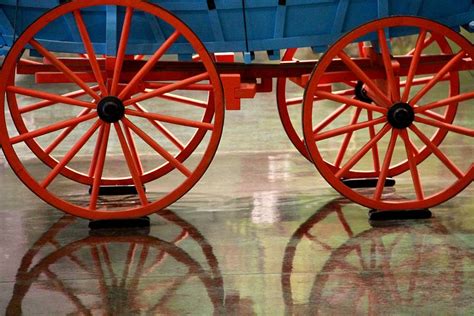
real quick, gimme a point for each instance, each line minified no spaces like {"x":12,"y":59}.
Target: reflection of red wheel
{"x":383,"y":267}
{"x":372,"y":270}
{"x":119,"y":273}
{"x":290,"y":100}
{"x":411,"y":116}
{"x":184,"y":131}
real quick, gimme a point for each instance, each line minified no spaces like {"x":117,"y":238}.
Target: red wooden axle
{"x":250,"y":72}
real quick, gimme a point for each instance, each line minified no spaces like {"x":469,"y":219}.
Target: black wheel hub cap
{"x":360,"y":93}
{"x":111,"y":109}
{"x":401,"y":115}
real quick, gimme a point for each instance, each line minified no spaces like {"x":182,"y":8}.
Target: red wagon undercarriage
{"x":367,"y":110}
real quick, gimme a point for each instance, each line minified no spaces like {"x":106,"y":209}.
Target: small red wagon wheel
{"x":404,"y":116}
{"x":179,"y":120}
{"x":290,"y":100}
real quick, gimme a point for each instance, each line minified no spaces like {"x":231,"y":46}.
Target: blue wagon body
{"x":226,"y":25}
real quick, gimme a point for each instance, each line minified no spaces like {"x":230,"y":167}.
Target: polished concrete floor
{"x":261,"y":233}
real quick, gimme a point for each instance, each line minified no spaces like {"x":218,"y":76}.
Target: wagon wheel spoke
{"x":161,"y":128}
{"x":347,"y":138}
{"x":445,"y":102}
{"x":128,"y":263}
{"x":375,"y":149}
{"x":71,"y":154}
{"x":51,"y":128}
{"x":361,"y":75}
{"x":331,"y":118}
{"x":434,"y":115}
{"x":294,"y":101}
{"x":170,"y":119}
{"x":53,"y":98}
{"x":133,"y":149}
{"x":131,"y":157}
{"x":438,"y":77}
{"x":435,"y":150}
{"x":160,"y":150}
{"x":426,"y":43}
{"x":91,"y":56}
{"x":346,"y":92}
{"x":419,"y":46}
{"x":423,"y":80}
{"x":386,"y":165}
{"x":352,"y":84}
{"x":393,"y":84}
{"x":108,"y":264}
{"x":149,"y":65}
{"x":48,"y":102}
{"x":62,"y":288}
{"x":65,"y":133}
{"x":101,"y":277}
{"x":63,"y":68}
{"x":168,"y":88}
{"x":99,"y":166}
{"x":191,"y":87}
{"x":299,"y":100}
{"x":361,"y":153}
{"x":95,"y":155}
{"x":347,"y":129}
{"x":450,"y":127}
{"x":121,"y":50}
{"x":140,"y":267}
{"x":184,"y":100}
{"x":411,"y":155}
{"x":351,"y":101}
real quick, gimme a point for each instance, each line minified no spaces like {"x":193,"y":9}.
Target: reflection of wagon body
{"x":135,"y":75}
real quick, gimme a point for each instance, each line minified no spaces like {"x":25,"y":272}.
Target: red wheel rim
{"x":460,"y":173}
{"x":284,"y":103}
{"x":126,"y":128}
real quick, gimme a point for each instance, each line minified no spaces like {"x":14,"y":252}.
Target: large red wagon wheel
{"x":290,"y":101}
{"x":179,"y":120}
{"x":183,"y":147}
{"x":404,"y":117}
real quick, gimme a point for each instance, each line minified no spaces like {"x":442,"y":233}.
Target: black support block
{"x":366,"y":183}
{"x":109,"y":224}
{"x":375,"y":215}
{"x":108,"y":190}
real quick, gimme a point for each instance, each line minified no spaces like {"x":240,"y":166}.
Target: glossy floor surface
{"x":261,"y":233}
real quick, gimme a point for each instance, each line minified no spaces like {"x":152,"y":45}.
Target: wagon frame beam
{"x":170,"y":70}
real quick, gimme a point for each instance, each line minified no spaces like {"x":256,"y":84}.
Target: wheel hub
{"x":361,"y":93}
{"x":401,"y":115}
{"x":111,"y":109}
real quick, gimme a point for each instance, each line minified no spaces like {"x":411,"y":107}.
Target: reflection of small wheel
{"x":362,"y":270}
{"x":416,"y":117}
{"x":184,"y":128}
{"x":290,"y":99}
